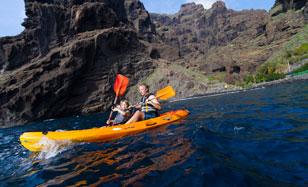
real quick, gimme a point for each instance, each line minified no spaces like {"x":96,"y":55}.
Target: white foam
{"x":237,"y":129}
{"x":47,"y":120}
{"x":52,"y":148}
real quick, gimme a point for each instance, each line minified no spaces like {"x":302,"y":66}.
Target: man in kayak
{"x":122,"y":115}
{"x":148,"y":107}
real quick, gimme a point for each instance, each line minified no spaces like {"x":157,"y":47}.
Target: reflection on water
{"x":253,"y":138}
{"x":123,"y":163}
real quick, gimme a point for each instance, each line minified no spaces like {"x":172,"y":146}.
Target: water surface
{"x":253,"y":138}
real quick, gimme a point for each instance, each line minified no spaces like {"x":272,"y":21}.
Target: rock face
{"x":193,"y":29}
{"x":65,"y":61}
{"x":140,"y":18}
{"x":281,"y":6}
{"x":220,"y":40}
{"x":306,"y":13}
{"x":53,"y":23}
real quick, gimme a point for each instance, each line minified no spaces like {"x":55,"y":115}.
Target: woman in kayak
{"x":148,"y":107}
{"x":122,"y":115}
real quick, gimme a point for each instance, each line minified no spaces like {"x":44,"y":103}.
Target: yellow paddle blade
{"x":165,"y":93}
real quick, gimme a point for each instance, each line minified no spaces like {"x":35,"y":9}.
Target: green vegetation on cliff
{"x":279,"y":64}
{"x":303,"y":68}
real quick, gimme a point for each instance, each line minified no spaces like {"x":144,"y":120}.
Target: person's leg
{"x":138,"y":116}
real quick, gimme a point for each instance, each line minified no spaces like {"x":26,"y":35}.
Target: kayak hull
{"x":32,"y":140}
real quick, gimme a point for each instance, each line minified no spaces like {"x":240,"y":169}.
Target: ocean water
{"x":252,"y":138}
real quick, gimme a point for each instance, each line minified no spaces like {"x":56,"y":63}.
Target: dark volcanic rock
{"x":65,"y":61}
{"x":281,"y":6}
{"x":140,"y":18}
{"x":53,"y":23}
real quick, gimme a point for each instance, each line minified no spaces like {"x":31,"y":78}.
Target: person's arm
{"x":154,"y":102}
{"x":137,"y":106}
{"x":122,"y":112}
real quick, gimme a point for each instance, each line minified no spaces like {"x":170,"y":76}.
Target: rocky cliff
{"x":66,"y":59}
{"x":282,"y":6}
{"x":225,"y":43}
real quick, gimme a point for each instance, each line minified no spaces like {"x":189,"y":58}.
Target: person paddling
{"x":122,"y":115}
{"x":148,"y":107}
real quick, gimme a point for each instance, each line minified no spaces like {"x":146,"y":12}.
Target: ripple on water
{"x":253,"y":138}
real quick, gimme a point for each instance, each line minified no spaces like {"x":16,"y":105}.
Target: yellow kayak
{"x":33,"y":140}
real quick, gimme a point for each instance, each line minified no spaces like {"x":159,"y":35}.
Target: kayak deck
{"x":32,"y":140}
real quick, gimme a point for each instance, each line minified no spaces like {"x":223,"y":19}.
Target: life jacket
{"x":147,"y":107}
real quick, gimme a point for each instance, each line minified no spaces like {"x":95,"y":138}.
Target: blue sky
{"x":12,"y":12}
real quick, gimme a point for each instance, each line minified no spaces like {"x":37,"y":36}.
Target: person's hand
{"x":138,"y":105}
{"x":108,"y":122}
{"x":147,"y":101}
{"x":115,"y":108}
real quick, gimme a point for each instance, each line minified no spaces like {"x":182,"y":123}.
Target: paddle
{"x":165,"y":93}
{"x":119,"y":88}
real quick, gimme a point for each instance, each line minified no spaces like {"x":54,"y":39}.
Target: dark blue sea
{"x":251,"y":138}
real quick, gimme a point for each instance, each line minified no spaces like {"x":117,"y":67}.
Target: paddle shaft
{"x":115,"y":99}
{"x":114,"y":102}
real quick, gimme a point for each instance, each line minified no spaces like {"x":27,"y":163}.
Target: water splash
{"x":51,"y":148}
